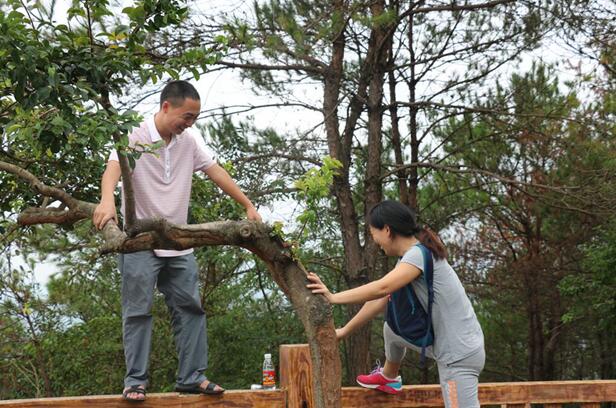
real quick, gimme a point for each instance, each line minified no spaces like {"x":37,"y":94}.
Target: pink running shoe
{"x":376,"y":381}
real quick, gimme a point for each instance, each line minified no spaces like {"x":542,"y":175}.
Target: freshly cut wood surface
{"x":296,"y":375}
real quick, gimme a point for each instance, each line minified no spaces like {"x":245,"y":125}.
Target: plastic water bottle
{"x":269,"y":373}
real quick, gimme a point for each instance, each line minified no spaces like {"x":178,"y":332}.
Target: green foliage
{"x":256,"y":321}
{"x":58,"y":80}
{"x":525,"y":245}
{"x":314,"y":187}
{"x":594,"y":290}
{"x":81,"y":361}
{"x":155,"y":15}
{"x":277,"y":230}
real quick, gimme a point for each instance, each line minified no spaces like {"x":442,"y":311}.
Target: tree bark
{"x":412,"y":84}
{"x":339,"y":146}
{"x":396,"y":141}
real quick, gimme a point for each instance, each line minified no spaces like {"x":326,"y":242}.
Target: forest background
{"x":495,"y":120}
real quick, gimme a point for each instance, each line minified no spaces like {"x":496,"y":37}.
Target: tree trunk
{"x":339,"y":147}
{"x":412,"y":84}
{"x":396,"y":141}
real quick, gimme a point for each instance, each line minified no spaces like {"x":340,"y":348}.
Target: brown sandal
{"x":209,"y":389}
{"x":136,"y":389}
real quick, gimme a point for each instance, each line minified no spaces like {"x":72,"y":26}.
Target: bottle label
{"x":269,"y":378}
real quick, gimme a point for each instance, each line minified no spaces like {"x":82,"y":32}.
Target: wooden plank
{"x":235,"y":399}
{"x":296,"y":375}
{"x":411,"y":396}
{"x":546,"y":392}
{"x":510,"y":395}
{"x":507,"y":395}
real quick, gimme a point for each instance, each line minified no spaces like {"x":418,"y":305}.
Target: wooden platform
{"x":588,"y":393}
{"x":296,"y":392}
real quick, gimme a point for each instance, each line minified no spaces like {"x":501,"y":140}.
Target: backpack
{"x":405,"y":314}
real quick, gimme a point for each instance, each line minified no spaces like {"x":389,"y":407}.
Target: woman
{"x":458,"y":339}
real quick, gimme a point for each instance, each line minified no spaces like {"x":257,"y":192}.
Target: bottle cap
{"x":268,"y":355}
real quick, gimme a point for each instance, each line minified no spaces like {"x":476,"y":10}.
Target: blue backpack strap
{"x":429,"y":277}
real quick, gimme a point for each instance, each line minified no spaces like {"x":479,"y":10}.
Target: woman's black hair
{"x":403,"y":221}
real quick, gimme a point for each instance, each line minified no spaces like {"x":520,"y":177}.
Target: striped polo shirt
{"x":163,"y":181}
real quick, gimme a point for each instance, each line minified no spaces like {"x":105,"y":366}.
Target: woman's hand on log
{"x":318,"y":287}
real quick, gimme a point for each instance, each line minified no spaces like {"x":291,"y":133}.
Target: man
{"x":162,"y":185}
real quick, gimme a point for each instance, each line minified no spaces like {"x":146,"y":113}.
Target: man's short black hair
{"x":177,"y":91}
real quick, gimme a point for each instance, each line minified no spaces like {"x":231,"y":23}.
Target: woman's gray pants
{"x":177,"y":279}
{"x":459,"y":380}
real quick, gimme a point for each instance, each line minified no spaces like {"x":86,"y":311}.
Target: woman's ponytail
{"x":431,"y":241}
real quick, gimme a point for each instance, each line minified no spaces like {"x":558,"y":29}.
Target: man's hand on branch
{"x":104,"y":212}
{"x":252,"y":214}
